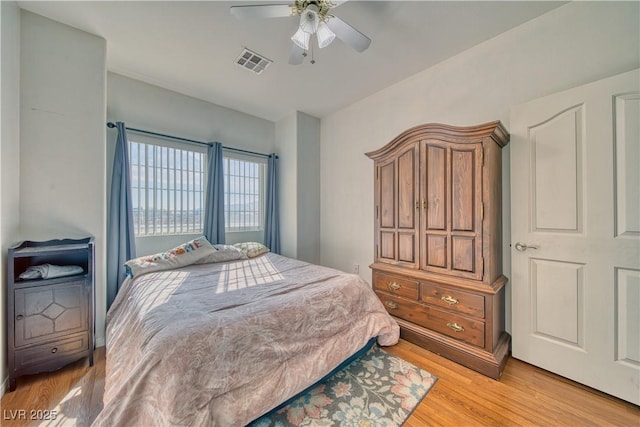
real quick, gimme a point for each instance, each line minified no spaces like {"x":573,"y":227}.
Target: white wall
{"x":62,"y":138}
{"x":308,"y":182}
{"x":572,"y":45}
{"x":9,"y":154}
{"x":144,"y":106}
{"x":286,"y":135}
{"x":298,"y":142}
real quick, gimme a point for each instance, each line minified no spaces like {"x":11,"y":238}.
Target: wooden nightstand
{"x":50,"y":322}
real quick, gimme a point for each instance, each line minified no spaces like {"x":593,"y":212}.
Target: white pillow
{"x":252,"y":249}
{"x":186,"y":254}
{"x":223,"y":253}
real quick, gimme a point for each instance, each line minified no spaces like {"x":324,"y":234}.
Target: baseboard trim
{"x":100,"y":342}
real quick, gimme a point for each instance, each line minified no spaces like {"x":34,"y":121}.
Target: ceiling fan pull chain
{"x":313,"y":61}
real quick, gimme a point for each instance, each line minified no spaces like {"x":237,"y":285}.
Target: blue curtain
{"x":214,"y":210}
{"x":272,"y":216}
{"x":121,"y":245}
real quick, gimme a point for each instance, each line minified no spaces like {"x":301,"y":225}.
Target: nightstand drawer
{"x":395,"y":285}
{"x":460,"y":301}
{"x":49,"y":353}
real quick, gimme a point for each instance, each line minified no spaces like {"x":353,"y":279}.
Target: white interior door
{"x":575,"y":206}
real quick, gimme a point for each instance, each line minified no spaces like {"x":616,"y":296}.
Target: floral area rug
{"x":377,"y":389}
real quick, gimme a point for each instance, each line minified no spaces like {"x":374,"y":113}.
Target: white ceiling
{"x":190,"y":47}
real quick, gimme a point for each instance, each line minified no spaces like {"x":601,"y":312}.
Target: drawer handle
{"x":455,"y":327}
{"x":19,"y":317}
{"x":449,"y":299}
{"x":54,"y":350}
{"x":391,"y":304}
{"x":394,"y":286}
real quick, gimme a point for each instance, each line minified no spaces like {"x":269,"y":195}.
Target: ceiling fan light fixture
{"x":301,"y":38}
{"x":309,"y":21}
{"x":325,"y":35}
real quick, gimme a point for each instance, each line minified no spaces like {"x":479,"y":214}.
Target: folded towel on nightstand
{"x":49,"y":271}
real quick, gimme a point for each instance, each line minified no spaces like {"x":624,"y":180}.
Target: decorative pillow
{"x":180,"y":256}
{"x":252,"y":249}
{"x":223,"y":253}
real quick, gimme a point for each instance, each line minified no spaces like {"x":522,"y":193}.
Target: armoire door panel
{"x":387,"y":195}
{"x":462,"y":190}
{"x":462,"y":253}
{"x":387,"y":245}
{"x":436,"y":253}
{"x":406,"y":190}
{"x":406,"y":247}
{"x":436,"y":187}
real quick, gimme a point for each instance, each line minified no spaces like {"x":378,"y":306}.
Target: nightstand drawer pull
{"x":391,"y":304}
{"x":455,"y":327}
{"x":394,"y":286}
{"x":19,"y":317}
{"x":449,"y":299}
{"x":54,"y":350}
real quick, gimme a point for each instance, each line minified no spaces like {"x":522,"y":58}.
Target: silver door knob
{"x":523,"y":246}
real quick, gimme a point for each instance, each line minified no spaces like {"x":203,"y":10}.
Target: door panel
{"x":575,"y":278}
{"x":462,"y":190}
{"x":406,"y":247}
{"x":452,"y":225}
{"x":406,"y":190}
{"x":557,"y":171}
{"x":557,"y":295}
{"x":47,"y":312}
{"x":463,"y":253}
{"x":436,"y":188}
{"x":626,"y":112}
{"x":436,"y":253}
{"x":388,"y":245}
{"x":397,"y":207}
{"x":628,"y":305}
{"x":387,"y":195}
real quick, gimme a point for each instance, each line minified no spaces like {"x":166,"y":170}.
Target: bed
{"x":224,"y":343}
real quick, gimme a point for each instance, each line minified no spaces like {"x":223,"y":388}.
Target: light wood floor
{"x":524,"y":396}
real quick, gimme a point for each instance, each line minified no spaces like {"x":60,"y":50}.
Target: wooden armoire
{"x":438,"y":241}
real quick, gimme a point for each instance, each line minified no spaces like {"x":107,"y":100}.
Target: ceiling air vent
{"x":252,"y":61}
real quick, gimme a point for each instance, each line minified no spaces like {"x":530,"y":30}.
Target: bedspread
{"x":222,"y":344}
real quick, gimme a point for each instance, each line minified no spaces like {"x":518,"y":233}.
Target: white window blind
{"x":168,"y":184}
{"x":244,"y":192}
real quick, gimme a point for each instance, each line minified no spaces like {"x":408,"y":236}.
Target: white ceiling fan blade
{"x":261,"y":11}
{"x":348,"y":34}
{"x":296,"y":56}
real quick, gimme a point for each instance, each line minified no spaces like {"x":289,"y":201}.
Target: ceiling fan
{"x":314,"y":19}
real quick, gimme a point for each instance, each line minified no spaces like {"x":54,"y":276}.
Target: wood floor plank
{"x":524,"y":396}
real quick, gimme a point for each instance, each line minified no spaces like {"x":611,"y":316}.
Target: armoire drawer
{"x":396,"y":285}
{"x":442,"y":321}
{"x":451,"y":299}
{"x":450,"y":324}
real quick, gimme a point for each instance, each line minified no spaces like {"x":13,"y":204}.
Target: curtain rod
{"x":177,"y":138}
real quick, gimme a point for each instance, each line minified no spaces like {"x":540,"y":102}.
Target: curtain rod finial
{"x":111,"y":125}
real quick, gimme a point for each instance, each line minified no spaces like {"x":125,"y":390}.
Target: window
{"x":244,"y":192}
{"x":167,"y":184}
